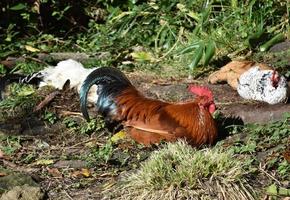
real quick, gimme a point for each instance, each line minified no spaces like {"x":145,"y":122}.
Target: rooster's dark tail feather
{"x":110,"y":82}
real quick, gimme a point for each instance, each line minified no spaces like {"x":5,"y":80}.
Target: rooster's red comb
{"x":201,"y":91}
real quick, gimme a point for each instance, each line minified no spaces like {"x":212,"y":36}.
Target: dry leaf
{"x":1,"y":154}
{"x":31,"y":49}
{"x":81,"y":173}
{"x":286,"y":155}
{"x":142,"y":56}
{"x":2,"y":174}
{"x":231,"y":72}
{"x":44,"y":162}
{"x":86,"y":172}
{"x":54,"y":172}
{"x":118,"y":136}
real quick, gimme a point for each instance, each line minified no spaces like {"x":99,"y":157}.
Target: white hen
{"x":263,"y":85}
{"x":68,"y":70}
{"x":54,"y":76}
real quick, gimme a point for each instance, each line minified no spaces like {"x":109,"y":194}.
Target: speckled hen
{"x":263,"y":85}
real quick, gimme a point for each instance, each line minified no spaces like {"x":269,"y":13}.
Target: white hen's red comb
{"x":201,"y":91}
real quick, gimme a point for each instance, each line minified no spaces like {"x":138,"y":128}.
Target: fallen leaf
{"x":81,"y":173}
{"x":70,"y":164}
{"x":44,"y":162}
{"x":90,"y":144}
{"x":142,"y":56}
{"x":54,"y":172}
{"x":86,"y":172}
{"x":286,"y":155}
{"x":272,"y":190}
{"x":2,"y":174}
{"x":31,"y":49}
{"x":118,"y":136}
{"x":1,"y":154}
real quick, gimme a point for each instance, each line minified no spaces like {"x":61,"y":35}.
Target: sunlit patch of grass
{"x":28,"y":67}
{"x":179,"y":171}
{"x":19,"y":104}
{"x":9,"y":144}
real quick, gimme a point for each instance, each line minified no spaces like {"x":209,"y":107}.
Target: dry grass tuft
{"x":179,"y":171}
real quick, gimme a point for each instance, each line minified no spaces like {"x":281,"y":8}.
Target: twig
{"x":230,"y":103}
{"x":67,"y":194}
{"x":46,"y":101}
{"x":269,"y":175}
{"x":83,"y":142}
{"x":36,"y":60}
{"x":16,"y":167}
{"x":65,"y":113}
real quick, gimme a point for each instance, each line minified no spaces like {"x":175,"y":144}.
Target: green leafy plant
{"x":50,"y":117}
{"x":104,"y":153}
{"x":92,"y":126}
{"x":284,"y":169}
{"x":70,"y":123}
{"x":10,"y":144}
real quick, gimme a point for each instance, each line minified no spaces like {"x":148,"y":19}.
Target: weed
{"x":50,"y":117}
{"x":104,"y":153}
{"x":92,"y":126}
{"x":28,"y":67}
{"x":10,"y":144}
{"x":2,"y":69}
{"x":70,"y":123}
{"x":19,"y":104}
{"x":284,"y":169}
{"x":29,"y":158}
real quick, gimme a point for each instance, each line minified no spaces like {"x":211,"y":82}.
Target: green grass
{"x":170,"y":31}
{"x":178,"y":171}
{"x":19,"y":104}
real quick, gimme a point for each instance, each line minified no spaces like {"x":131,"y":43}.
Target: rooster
{"x":146,"y":120}
{"x":55,"y":76}
{"x":263,"y":85}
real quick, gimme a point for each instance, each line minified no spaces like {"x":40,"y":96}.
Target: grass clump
{"x":19,"y":105}
{"x":179,"y":171}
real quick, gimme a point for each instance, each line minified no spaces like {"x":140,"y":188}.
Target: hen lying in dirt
{"x":232,"y":71}
{"x":55,"y":76}
{"x":263,"y":85}
{"x":253,"y":81}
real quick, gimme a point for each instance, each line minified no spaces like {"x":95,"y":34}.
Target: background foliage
{"x":188,"y":32}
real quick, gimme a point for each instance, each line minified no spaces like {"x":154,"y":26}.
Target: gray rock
{"x":19,"y":186}
{"x":24,"y":192}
